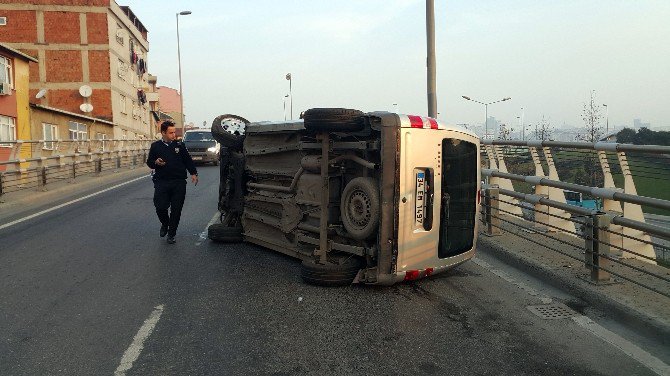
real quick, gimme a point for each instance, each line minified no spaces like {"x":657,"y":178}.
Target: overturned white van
{"x":373,"y":198}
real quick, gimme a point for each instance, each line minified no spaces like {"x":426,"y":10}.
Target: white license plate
{"x":419,"y":212}
{"x":196,"y":158}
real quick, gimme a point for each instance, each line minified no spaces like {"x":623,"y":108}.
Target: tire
{"x":224,"y":136}
{"x":341,"y":272}
{"x":359,"y":208}
{"x":222,"y":234}
{"x":333,"y":120}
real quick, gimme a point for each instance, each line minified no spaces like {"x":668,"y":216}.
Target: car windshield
{"x":198,"y":136}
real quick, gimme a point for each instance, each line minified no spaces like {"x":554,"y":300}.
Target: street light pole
{"x":486,"y":106}
{"x":285,"y":98}
{"x":430,"y":61}
{"x":181,"y":90}
{"x":290,"y":91}
{"x":607,"y":117}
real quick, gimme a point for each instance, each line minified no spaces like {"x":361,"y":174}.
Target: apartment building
{"x":14,"y":103}
{"x":92,"y":59}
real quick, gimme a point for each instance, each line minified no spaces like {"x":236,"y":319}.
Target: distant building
{"x":170,"y":104}
{"x":90,"y":52}
{"x":637,"y":124}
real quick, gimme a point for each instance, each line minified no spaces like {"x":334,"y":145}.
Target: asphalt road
{"x":78,"y":283}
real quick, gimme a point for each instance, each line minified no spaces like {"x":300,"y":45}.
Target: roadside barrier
{"x":59,"y":160}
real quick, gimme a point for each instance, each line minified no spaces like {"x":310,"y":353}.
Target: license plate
{"x":196,"y":158}
{"x":419,"y":212}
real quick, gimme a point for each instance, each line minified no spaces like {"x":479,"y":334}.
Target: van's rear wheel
{"x":359,"y":207}
{"x":333,"y":120}
{"x":337,"y":272}
{"x":221,"y":233}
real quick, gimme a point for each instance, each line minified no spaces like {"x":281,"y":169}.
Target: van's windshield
{"x":198,"y":136}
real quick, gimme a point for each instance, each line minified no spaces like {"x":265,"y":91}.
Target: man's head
{"x":168,"y":131}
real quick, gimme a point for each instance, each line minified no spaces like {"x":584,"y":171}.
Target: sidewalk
{"x":623,"y":300}
{"x":16,"y":204}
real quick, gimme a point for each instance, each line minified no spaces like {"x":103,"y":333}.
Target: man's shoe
{"x":164,"y":230}
{"x":171,"y":240}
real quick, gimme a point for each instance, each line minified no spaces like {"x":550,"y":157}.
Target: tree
{"x":504,"y":133}
{"x":626,"y":136}
{"x":544,"y":130}
{"x":591,"y":116}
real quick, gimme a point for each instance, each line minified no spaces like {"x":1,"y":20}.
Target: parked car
{"x":202,"y":146}
{"x":373,"y":198}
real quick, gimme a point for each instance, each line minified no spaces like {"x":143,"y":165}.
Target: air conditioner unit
{"x":5,"y":89}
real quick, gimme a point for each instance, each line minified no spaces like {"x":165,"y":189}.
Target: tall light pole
{"x":430,"y":60}
{"x":486,"y":106}
{"x":607,"y":121}
{"x":285,"y":99}
{"x":181,"y":91}
{"x":290,"y":92}
{"x":523,"y":126}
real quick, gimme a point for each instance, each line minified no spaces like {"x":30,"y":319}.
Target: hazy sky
{"x":370,"y":54}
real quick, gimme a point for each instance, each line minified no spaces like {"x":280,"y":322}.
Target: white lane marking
{"x":529,"y":290}
{"x":135,"y":348}
{"x":203,"y":235}
{"x":66,"y":204}
{"x":646,"y":359}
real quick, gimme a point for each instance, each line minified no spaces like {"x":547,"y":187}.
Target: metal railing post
{"x":42,"y":179}
{"x":2,"y":178}
{"x":491,"y":210}
{"x":74,"y":170}
{"x":597,"y":246}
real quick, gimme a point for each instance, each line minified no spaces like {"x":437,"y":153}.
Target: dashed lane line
{"x":135,"y":348}
{"x":6,"y":225}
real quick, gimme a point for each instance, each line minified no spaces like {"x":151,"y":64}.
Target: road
{"x":82,"y":283}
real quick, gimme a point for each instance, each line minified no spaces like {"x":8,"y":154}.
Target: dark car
{"x":202,"y":146}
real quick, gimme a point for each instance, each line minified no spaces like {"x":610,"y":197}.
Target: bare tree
{"x":544,"y":130}
{"x":504,"y":132}
{"x":591,"y":116}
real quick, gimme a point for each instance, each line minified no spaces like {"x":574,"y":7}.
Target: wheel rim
{"x":359,"y":209}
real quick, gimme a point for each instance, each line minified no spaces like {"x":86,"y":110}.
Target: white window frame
{"x":6,"y":67}
{"x":123,"y":104}
{"x":54,"y":135}
{"x":7,"y":130}
{"x":77,"y":131}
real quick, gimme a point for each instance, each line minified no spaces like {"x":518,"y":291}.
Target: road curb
{"x":632,"y":316}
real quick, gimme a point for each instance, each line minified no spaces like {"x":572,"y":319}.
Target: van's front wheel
{"x":338,"y":272}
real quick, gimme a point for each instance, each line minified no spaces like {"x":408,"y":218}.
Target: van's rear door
{"x":438,"y":185}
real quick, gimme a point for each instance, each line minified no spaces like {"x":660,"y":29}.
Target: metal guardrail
{"x":59,"y":160}
{"x":608,"y":237}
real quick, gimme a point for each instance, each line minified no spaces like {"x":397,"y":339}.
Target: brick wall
{"x":96,"y":25}
{"x":98,"y":62}
{"x":101,"y":99}
{"x":61,"y":27}
{"x":63,"y":66}
{"x":68,"y":100}
{"x":100,"y":3}
{"x":21,"y":26}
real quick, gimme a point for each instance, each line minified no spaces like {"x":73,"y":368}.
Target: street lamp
{"x":181,"y":91}
{"x":607,"y":117}
{"x":288,"y":77}
{"x":285,"y":98}
{"x":486,"y":106}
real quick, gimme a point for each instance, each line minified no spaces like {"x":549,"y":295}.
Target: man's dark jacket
{"x":176,"y":157}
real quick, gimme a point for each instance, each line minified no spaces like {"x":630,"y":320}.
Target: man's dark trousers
{"x":169,"y":194}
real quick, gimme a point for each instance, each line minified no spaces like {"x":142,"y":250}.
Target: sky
{"x":548,"y":56}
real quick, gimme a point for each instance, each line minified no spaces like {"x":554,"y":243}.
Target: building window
{"x":122,"y":104}
{"x":6,"y":71}
{"x":78,"y":131}
{"x":50,"y":133}
{"x":120,"y":34}
{"x":7,"y":130}
{"x":122,"y":69}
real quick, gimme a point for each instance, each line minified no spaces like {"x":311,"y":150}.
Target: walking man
{"x":170,"y":160}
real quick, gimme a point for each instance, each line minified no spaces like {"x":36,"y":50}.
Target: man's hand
{"x":194,"y":179}
{"x":160,"y":162}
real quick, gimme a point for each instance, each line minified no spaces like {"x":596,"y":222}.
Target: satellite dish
{"x":86,"y":107}
{"x":85,"y":91}
{"x":41,"y":93}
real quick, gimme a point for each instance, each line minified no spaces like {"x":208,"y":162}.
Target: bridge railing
{"x":59,"y":160}
{"x":609,"y":234}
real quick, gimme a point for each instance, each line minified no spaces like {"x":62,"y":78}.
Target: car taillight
{"x":411,"y":275}
{"x":421,"y":122}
